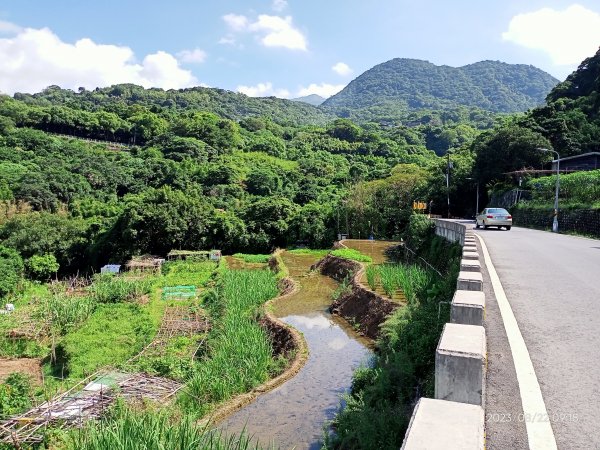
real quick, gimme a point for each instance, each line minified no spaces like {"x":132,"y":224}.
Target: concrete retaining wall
{"x":455,"y":418}
{"x":451,"y":231}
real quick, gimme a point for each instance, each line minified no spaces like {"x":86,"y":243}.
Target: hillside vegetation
{"x":402,"y":85}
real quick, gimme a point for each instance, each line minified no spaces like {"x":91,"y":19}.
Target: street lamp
{"x":477,"y":197}
{"x":555,"y":221}
{"x":449,"y":166}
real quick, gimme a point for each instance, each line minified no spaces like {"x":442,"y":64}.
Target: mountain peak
{"x":405,"y":84}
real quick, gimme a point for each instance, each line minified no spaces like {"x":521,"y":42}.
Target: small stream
{"x":293,"y":415}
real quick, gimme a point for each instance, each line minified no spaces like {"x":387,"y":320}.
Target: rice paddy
{"x":240,"y":354}
{"x":397,"y":281}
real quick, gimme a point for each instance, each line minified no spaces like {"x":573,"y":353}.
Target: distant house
{"x":586,"y":161}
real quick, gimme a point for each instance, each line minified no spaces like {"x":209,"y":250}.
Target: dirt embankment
{"x":359,"y":305}
{"x":27,"y":366}
{"x":285,"y":340}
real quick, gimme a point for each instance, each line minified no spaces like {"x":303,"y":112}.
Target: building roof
{"x":566,"y":158}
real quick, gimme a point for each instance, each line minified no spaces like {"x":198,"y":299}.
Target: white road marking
{"x":537,"y":421}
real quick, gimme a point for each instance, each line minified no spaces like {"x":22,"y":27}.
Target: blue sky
{"x":277,"y":47}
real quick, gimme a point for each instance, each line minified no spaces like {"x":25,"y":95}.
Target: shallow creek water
{"x":293,"y":414}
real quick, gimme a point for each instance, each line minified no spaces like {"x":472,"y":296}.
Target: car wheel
{"x":507,"y":228}
{"x":476,"y":224}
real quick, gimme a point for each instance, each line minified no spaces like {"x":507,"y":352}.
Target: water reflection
{"x":293,"y":415}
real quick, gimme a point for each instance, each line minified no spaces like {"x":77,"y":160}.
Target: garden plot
{"x":177,"y":321}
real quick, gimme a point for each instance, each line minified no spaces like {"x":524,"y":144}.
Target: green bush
{"x":11,"y":270}
{"x":418,"y":232}
{"x":578,"y":187}
{"x":15,"y":394}
{"x":249,"y":258}
{"x":42,"y":267}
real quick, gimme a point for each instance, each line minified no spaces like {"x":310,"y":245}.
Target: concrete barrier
{"x":438,"y":424}
{"x":468,"y":308}
{"x":451,"y":231}
{"x":470,"y":265}
{"x":469,"y":281}
{"x":460,"y":364}
{"x":470,"y":255}
{"x":455,"y":418}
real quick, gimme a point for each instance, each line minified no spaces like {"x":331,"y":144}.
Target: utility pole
{"x":556,"y":189}
{"x":448,"y":167}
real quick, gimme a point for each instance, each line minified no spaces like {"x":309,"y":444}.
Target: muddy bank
{"x":360,"y":306}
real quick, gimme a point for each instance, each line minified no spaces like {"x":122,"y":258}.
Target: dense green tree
{"x":42,"y":267}
{"x":11,"y":270}
{"x":507,"y":149}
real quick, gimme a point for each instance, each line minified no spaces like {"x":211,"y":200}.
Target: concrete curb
{"x":455,"y":418}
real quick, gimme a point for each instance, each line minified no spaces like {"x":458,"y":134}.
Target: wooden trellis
{"x":79,"y":404}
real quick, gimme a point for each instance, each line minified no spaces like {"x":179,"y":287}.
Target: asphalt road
{"x":553,"y":285}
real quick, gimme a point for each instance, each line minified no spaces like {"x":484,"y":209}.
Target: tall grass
{"x":187,"y":272}
{"x":350,"y":253}
{"x":108,"y":288}
{"x":240,"y":354}
{"x":111,"y":335}
{"x":130,"y":430}
{"x":372,"y":273}
{"x":249,"y":258}
{"x":64,"y":311}
{"x":410,"y":279}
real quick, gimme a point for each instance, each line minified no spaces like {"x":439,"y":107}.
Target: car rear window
{"x":497,"y":211}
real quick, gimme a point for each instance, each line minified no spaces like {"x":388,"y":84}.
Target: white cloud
{"x":279,"y":5}
{"x":36,"y":58}
{"x":9,"y":28}
{"x":236,"y":22}
{"x":342,"y":69}
{"x":279,"y":32}
{"x":263,"y":90}
{"x":568,"y":36}
{"x":192,"y":56}
{"x":324,"y":89}
{"x":227,"y":40}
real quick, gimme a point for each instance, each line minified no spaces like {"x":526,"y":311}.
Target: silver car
{"x":494,"y":217}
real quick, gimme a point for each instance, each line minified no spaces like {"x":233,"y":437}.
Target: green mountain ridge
{"x":227,"y":104}
{"x":411,"y":84}
{"x":312,"y":99}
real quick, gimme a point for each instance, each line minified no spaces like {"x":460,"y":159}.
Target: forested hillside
{"x":571,"y":117}
{"x":402,"y":85}
{"x":197,"y":180}
{"x":569,"y":123}
{"x":227,"y":104}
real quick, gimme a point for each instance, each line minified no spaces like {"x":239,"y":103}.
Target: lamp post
{"x":477,"y":196}
{"x":555,"y":221}
{"x":448,"y":167}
